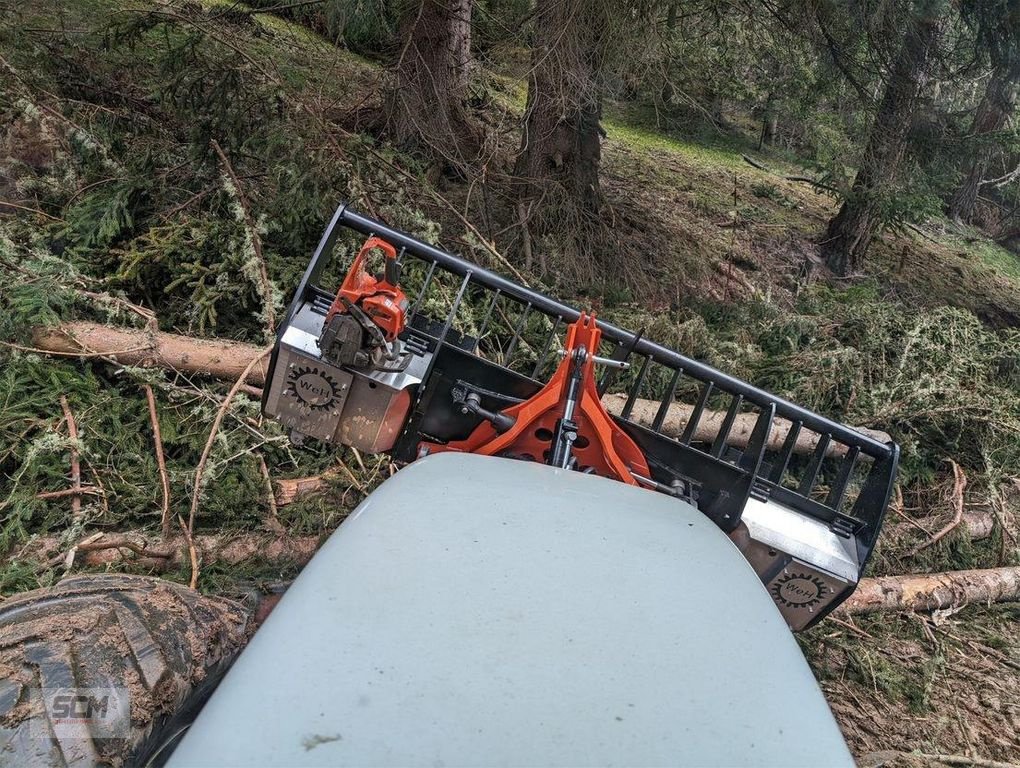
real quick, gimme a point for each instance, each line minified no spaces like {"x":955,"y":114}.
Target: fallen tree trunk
{"x":678,"y":414}
{"x":935,"y":591}
{"x":211,"y":357}
{"x":978,"y":524}
{"x":158,"y":554}
{"x":914,"y":592}
{"x":228,"y":359}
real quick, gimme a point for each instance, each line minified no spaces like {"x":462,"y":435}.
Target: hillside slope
{"x":117,"y":206}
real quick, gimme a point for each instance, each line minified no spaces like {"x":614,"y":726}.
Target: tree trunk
{"x":425,"y":106}
{"x":852,"y":229}
{"x":935,"y":591}
{"x":158,"y":554}
{"x":978,"y":525}
{"x":130,"y":346}
{"x":769,"y":123}
{"x":560,"y":144}
{"x":995,"y":108}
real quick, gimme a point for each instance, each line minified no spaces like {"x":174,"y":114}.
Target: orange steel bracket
{"x":601,"y":446}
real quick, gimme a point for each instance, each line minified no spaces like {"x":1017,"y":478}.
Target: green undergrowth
{"x":108,"y":126}
{"x":913,"y":666}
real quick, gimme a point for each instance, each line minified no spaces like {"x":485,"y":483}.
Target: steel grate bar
{"x":635,"y":389}
{"x":424,"y":287}
{"x":699,"y":408}
{"x":814,"y":466}
{"x":517,"y":333}
{"x":453,"y":310}
{"x":783,"y":459}
{"x":546,"y":347}
{"x":488,"y":314}
{"x":667,"y":400}
{"x":719,"y":444}
{"x":838,"y":490}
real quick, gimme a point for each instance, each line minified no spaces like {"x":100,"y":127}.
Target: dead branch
{"x":962,"y":760}
{"x":196,"y":493}
{"x":72,"y":433}
{"x":813,"y":183}
{"x":978,"y":524}
{"x":711,"y":422}
{"x":959,"y":485}
{"x":98,"y":542}
{"x":934,"y":591}
{"x":265,"y":286}
{"x":755,"y":164}
{"x":272,"y":521}
{"x":164,"y":479}
{"x":89,"y":490}
{"x":212,"y":357}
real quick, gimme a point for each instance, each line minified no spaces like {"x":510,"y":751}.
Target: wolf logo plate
{"x":309,"y":395}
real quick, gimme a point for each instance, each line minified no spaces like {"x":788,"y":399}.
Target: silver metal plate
{"x":306,"y":394}
{"x":804,"y":565}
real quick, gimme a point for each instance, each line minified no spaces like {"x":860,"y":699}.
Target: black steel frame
{"x":720,"y":478}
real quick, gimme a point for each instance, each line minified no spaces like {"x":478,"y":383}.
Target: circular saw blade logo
{"x":314,"y":388}
{"x":799,"y":590}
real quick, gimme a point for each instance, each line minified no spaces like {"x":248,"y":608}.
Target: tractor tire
{"x":105,"y":670}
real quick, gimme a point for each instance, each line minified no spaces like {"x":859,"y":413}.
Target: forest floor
{"x":113,"y":199}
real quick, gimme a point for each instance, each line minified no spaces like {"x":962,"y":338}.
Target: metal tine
{"x":424,"y":287}
{"x":517,"y":332}
{"x":724,"y":432}
{"x":546,"y":347}
{"x":667,"y":400}
{"x":621,"y":353}
{"x":447,"y":325}
{"x":699,"y":408}
{"x":603,"y":384}
{"x":488,"y":314}
{"x":783,"y":459}
{"x":838,"y":490}
{"x":811,"y":473}
{"x":635,"y":389}
{"x":453,"y":311}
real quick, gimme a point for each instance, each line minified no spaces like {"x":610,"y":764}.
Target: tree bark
{"x":996,"y":107}
{"x":769,"y":123}
{"x":561,"y":141}
{"x":935,"y":591}
{"x":426,"y":104}
{"x":978,"y":524}
{"x":859,"y":219}
{"x":159,"y":554}
{"x":218,"y":358}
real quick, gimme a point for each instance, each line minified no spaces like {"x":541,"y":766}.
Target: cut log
{"x":978,"y":524}
{"x":228,"y":359}
{"x":935,"y":591}
{"x":211,"y":357}
{"x":711,"y":422}
{"x":158,"y":554}
{"x":289,"y":490}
